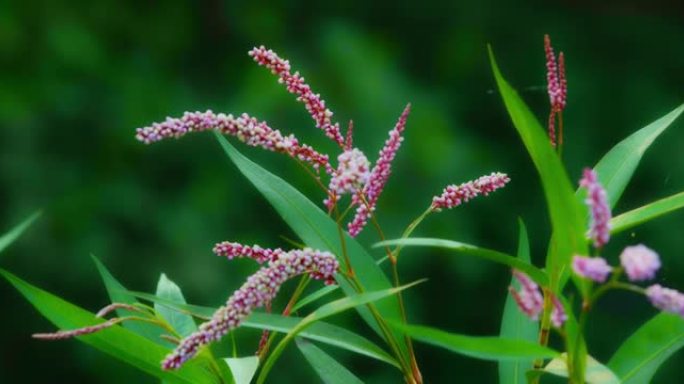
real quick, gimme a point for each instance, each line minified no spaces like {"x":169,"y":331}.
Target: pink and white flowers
{"x":666,"y":299}
{"x":531,"y":301}
{"x":351,"y":175}
{"x":597,"y":201}
{"x":455,"y":195}
{"x":557,"y":87}
{"x":640,"y":262}
{"x":592,"y":268}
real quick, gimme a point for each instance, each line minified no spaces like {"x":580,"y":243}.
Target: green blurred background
{"x":77,"y":78}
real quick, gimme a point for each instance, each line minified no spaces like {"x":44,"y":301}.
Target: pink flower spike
{"x":296,"y":85}
{"x":558,"y":315}
{"x":455,"y":195}
{"x":666,"y":299}
{"x":529,"y":298}
{"x":597,"y":201}
{"x":378,"y":177}
{"x":640,"y":262}
{"x":255,"y":252}
{"x":592,"y":268}
{"x":562,"y":82}
{"x":60,"y":335}
{"x":351,"y":175}
{"x":259,"y":290}
{"x":555,"y":77}
{"x":247,"y":129}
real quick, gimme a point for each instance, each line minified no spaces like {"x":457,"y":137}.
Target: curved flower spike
{"x":455,"y":195}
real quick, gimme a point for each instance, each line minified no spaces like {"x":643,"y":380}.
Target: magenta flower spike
{"x":640,"y":262}
{"x":260,"y":255}
{"x":557,"y":87}
{"x":455,"y":195}
{"x":592,"y":268}
{"x":247,"y":129}
{"x":296,"y":85}
{"x":351,"y":175}
{"x":666,"y":299}
{"x":259,"y":290}
{"x":597,"y":201}
{"x":378,"y":176}
{"x":529,"y":297}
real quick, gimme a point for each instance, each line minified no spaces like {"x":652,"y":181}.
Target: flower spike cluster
{"x":378,"y":176}
{"x":259,"y":290}
{"x":531,"y":301}
{"x":455,"y":195}
{"x":597,"y":201}
{"x":351,"y":175}
{"x":557,"y":87}
{"x":296,"y":85}
{"x":246,"y":128}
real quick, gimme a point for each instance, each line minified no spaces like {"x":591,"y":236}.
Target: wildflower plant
{"x":163,"y":337}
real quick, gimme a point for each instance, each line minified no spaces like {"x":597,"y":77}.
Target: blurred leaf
{"x":576,"y":344}
{"x":119,"y":294}
{"x":318,"y":231}
{"x":116,"y":341}
{"x":596,"y":373}
{"x":646,"y":213}
{"x":479,"y":347}
{"x":567,"y":217}
{"x":514,"y":323}
{"x":330,"y":371}
{"x":14,"y":233}
{"x":535,"y":273}
{"x":182,"y":323}
{"x":323,"y":312}
{"x":616,"y":168}
{"x":640,"y":356}
{"x":328,"y":289}
{"x":243,"y":368}
{"x":320,"y":331}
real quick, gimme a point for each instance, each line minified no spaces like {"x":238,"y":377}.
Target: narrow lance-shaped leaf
{"x":14,"y":233}
{"x":535,"y":273}
{"x":115,"y":341}
{"x":646,"y":213}
{"x":327,"y":368}
{"x":639,"y":357}
{"x":514,"y":323}
{"x":567,"y":217}
{"x":318,"y":231}
{"x":181,"y":322}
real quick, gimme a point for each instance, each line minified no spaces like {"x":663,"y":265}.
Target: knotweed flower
{"x":558,"y":315}
{"x":255,"y":252}
{"x":60,"y":335}
{"x":455,"y":195}
{"x":640,"y":262}
{"x":257,"y":291}
{"x":296,"y":85}
{"x":597,"y":201}
{"x":378,"y":176}
{"x":557,"y":86}
{"x":351,"y":175}
{"x":666,"y":299}
{"x":592,"y":268}
{"x":246,"y":128}
{"x":529,"y":297}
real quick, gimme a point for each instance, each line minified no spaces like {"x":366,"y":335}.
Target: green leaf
{"x":514,"y":323}
{"x":14,"y":233}
{"x":616,"y":168}
{"x":328,"y":289}
{"x":479,"y":347}
{"x":646,"y":213}
{"x":329,"y":370}
{"x":119,"y":294}
{"x":116,"y":341}
{"x":640,"y":356}
{"x":535,"y":273}
{"x":243,"y":368}
{"x":596,"y":373}
{"x":181,"y":323}
{"x":323,"y":312}
{"x":567,"y":216}
{"x":320,"y":331}
{"x":318,"y":231}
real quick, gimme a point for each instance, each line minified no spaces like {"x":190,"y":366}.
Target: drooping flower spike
{"x":378,"y":176}
{"x":455,"y":195}
{"x":296,"y":85}
{"x":246,"y":128}
{"x":259,"y":290}
{"x":557,"y":87}
{"x":597,"y":201}
{"x":666,"y":299}
{"x":640,"y":262}
{"x":592,"y":268}
{"x":531,"y":301}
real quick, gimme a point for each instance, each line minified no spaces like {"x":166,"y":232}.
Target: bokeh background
{"x":77,"y":78}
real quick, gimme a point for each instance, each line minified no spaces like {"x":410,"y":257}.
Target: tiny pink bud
{"x":640,"y":262}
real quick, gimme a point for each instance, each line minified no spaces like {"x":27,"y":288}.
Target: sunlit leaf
{"x":595,"y":373}
{"x":567,"y":216}
{"x":640,"y":356}
{"x":14,"y":233}
{"x":515,"y":324}
{"x":479,"y":347}
{"x":243,"y":368}
{"x":535,"y":273}
{"x":646,"y":213}
{"x":181,"y":322}
{"x":327,"y":368}
{"x":116,"y":341}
